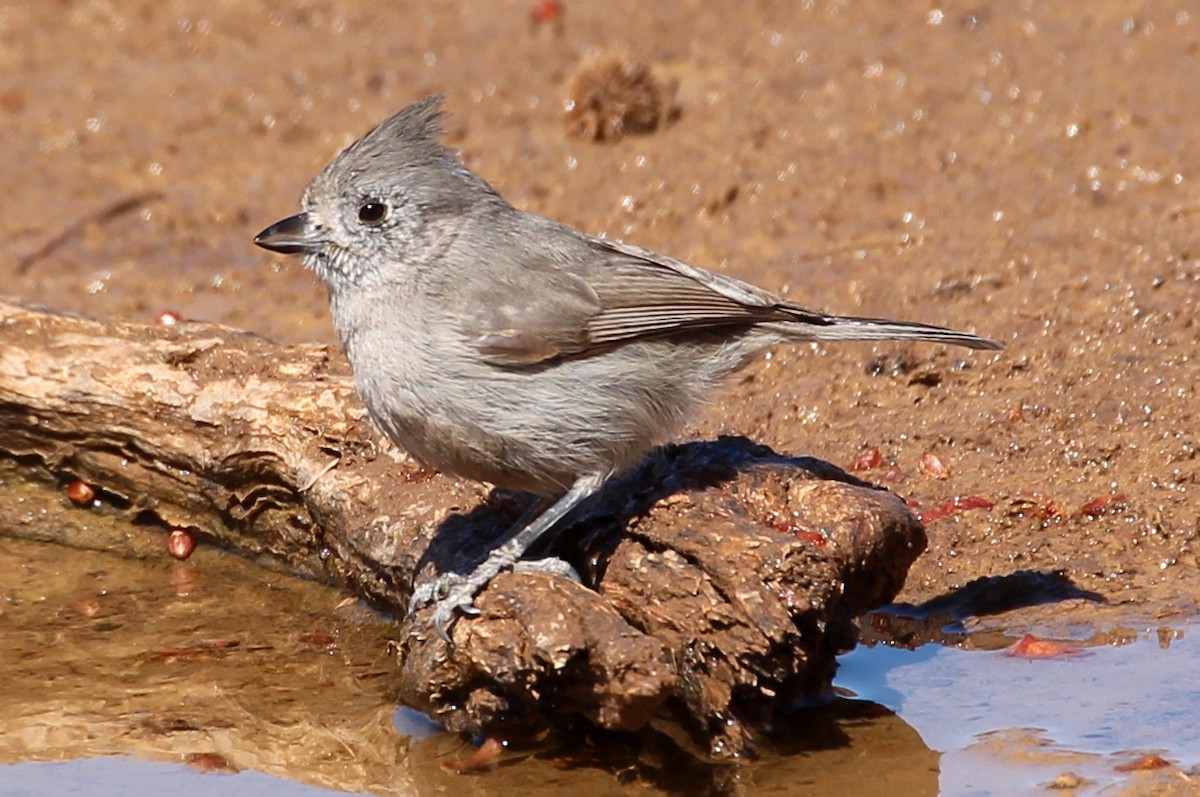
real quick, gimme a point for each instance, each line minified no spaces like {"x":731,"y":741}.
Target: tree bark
{"x":719,"y":577}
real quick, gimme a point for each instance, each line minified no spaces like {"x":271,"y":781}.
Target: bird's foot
{"x":454,"y":593}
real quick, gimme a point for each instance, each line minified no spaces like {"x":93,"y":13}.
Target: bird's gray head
{"x":381,"y":206}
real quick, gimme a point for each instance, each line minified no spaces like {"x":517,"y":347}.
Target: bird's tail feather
{"x":850,"y":328}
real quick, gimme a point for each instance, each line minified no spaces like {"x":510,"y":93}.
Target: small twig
{"x":101,"y":216}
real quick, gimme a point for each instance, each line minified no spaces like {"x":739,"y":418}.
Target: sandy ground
{"x":1021,"y":169}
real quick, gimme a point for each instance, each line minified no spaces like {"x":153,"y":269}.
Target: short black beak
{"x":294,"y":235}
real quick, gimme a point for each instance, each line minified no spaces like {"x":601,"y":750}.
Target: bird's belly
{"x":474,"y":450}
{"x":522,"y":431}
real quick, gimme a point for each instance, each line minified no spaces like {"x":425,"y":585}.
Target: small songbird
{"x":502,"y":346}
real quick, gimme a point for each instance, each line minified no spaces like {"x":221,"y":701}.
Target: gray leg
{"x":460,"y":590}
{"x":550,"y":564}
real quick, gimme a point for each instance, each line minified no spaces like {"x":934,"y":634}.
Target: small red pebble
{"x":813,"y":538}
{"x":931,"y":465}
{"x":80,"y":493}
{"x":180,"y":544}
{"x":1145,"y":762}
{"x":959,"y":503}
{"x":419,"y":473}
{"x":867,"y":459}
{"x":1030,"y":647}
{"x":488,"y":752}
{"x":168,"y":318}
{"x":1099,"y":506}
{"x":543,"y":11}
{"x":803,"y":532}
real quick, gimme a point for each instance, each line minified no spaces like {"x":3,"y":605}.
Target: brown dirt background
{"x":1024,"y":169}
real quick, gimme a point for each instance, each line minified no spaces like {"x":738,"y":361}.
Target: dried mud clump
{"x":613,"y":96}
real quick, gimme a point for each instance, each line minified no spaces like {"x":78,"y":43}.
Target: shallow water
{"x":214,"y":676}
{"x":125,"y":777}
{"x":1008,"y":725}
{"x":214,"y":662}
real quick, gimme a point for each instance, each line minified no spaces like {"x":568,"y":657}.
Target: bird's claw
{"x":454,"y":593}
{"x":551,"y":564}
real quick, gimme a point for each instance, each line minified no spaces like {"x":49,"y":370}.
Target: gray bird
{"x":505,"y":347}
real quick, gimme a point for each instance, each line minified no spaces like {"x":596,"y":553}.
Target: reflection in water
{"x":229,"y":668}
{"x":1003,"y":722}
{"x":213,"y":662}
{"x":216,"y":676}
{"x":826,"y":750}
{"x":123,"y":777}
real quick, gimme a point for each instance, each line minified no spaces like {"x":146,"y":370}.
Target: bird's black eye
{"x":372,"y":212}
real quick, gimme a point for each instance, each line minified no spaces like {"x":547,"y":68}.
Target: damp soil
{"x":1025,"y":170}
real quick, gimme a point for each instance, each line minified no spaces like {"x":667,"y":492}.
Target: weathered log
{"x":718,"y":575}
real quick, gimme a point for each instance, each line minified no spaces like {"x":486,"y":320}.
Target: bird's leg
{"x":544,"y":564}
{"x":547,"y":564}
{"x":531,"y":512}
{"x":455,"y":592}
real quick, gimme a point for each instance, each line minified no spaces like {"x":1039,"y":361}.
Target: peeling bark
{"x":720,"y":576}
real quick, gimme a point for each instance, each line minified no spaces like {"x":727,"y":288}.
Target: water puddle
{"x":1005,"y":725}
{"x":213,"y":663}
{"x":124,"y":777}
{"x":216,"y":676}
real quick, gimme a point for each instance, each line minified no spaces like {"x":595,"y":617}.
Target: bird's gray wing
{"x":541,"y":313}
{"x":612,"y":293}
{"x":645,"y":294}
